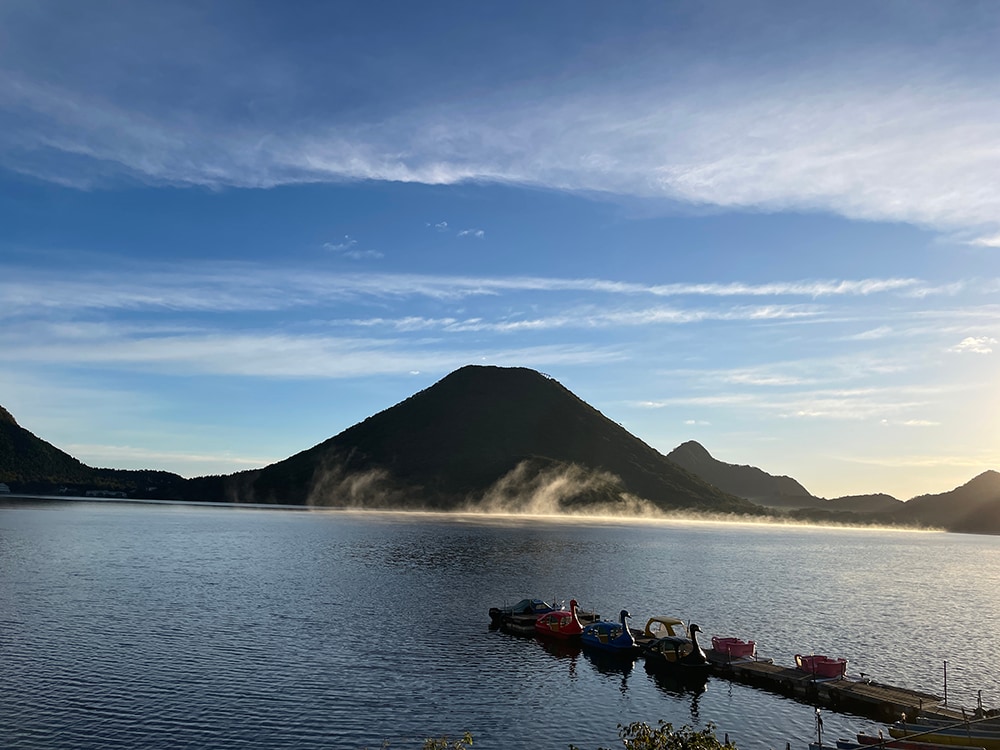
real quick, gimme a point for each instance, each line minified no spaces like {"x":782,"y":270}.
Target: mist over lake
{"x":164,"y":626}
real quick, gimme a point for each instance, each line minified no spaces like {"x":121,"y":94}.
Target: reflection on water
{"x":130,"y":626}
{"x":610,"y":663}
{"x":613,"y":666}
{"x":566,"y":653}
{"x":681,"y":691}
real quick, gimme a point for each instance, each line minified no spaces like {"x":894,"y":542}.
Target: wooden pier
{"x":865,"y":697}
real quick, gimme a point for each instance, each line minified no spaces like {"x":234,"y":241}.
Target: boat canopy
{"x":661,"y":625}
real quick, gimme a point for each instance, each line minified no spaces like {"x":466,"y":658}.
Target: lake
{"x":166,"y":626}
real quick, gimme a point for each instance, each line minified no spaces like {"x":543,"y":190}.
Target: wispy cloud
{"x":245,"y":286}
{"x":810,"y":133}
{"x":590,"y":318}
{"x":720,"y":399}
{"x":765,"y":379}
{"x":975,"y":345}
{"x":988,"y":241}
{"x":872,"y":334}
{"x":833,"y":404}
{"x":128,"y":455}
{"x":264,"y":353}
{"x":363,"y":254}
{"x":476,"y":233}
{"x":346,"y":244}
{"x":981,"y":462}
{"x":348,"y":248}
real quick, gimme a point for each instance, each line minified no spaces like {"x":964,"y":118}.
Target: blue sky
{"x":231,"y":230}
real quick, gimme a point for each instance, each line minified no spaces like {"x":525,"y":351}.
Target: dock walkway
{"x":865,"y":697}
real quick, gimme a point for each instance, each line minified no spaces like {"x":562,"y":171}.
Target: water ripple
{"x":159,"y":627}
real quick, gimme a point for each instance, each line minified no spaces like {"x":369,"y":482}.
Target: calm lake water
{"x":160,"y":626}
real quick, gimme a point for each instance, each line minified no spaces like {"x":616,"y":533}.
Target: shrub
{"x":444,"y":743}
{"x":641,"y":736}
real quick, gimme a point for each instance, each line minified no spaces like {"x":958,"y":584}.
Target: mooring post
{"x":946,"y":682}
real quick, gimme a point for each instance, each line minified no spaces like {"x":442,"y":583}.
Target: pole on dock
{"x":946,"y":682}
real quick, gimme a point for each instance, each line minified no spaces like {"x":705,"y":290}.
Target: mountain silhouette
{"x":747,"y":482}
{"x":875,"y":503}
{"x":493,"y":438}
{"x":31,"y":465}
{"x":27,"y":460}
{"x":776,"y":492}
{"x":487,"y":437}
{"x":973,"y":507}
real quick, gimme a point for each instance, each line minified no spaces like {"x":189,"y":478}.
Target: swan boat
{"x":658,"y":626}
{"x":560,"y":623}
{"x":679,"y":656}
{"x":611,"y":637}
{"x":520,"y":618}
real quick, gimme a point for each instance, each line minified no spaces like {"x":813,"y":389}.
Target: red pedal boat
{"x":559,"y":623}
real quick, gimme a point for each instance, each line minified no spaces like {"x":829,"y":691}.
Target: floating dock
{"x":865,"y":697}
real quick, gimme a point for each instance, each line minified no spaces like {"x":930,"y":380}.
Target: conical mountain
{"x":505,"y":437}
{"x":747,"y":482}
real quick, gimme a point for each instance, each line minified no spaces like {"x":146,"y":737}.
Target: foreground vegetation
{"x":640,"y":736}
{"x":446,"y":743}
{"x":635,"y":736}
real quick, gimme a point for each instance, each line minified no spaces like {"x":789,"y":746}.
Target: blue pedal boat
{"x":611,"y":637}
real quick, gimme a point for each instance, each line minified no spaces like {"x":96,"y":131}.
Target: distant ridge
{"x":777,"y":492}
{"x":747,"y":482}
{"x":972,"y":508}
{"x":877,"y":503}
{"x":488,"y":437}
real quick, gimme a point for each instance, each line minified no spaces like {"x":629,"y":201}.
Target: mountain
{"x":747,"y":482}
{"x":877,"y":503}
{"x":777,"y":492}
{"x":487,"y":438}
{"x":491,"y":438}
{"x":29,"y":460}
{"x":974,"y":507}
{"x":31,"y":465}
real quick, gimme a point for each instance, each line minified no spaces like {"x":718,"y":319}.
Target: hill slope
{"x":508,"y":438}
{"x":27,"y":461}
{"x":747,"y":482}
{"x":877,"y":503}
{"x":974,"y":507}
{"x":29,"y":464}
